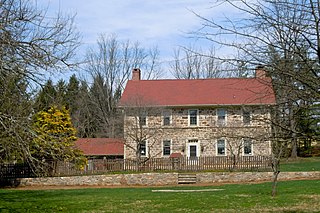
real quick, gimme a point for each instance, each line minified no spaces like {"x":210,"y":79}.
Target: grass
{"x":293,"y":196}
{"x":301,"y":165}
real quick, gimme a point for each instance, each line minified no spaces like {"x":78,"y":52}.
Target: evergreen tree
{"x":46,"y":97}
{"x":61,"y":90}
{"x":72,"y":95}
{"x":55,"y":137}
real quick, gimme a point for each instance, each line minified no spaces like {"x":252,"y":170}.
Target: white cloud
{"x":151,"y":22}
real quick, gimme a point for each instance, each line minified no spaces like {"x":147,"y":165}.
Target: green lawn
{"x":293,"y":196}
{"x":300,"y":164}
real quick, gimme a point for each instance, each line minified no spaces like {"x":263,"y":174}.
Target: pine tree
{"x":46,"y":97}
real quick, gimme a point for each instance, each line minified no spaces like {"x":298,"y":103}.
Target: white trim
{"x":225,"y":147}
{"x":197,"y":118}
{"x":197,"y":144}
{"x":147,"y":150}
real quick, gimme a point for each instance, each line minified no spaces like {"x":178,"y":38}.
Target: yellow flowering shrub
{"x":55,"y":136}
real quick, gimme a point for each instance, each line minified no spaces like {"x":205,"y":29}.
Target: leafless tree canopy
{"x":284,"y":37}
{"x":192,"y":63}
{"x":31,"y":44}
{"x":110,"y":65}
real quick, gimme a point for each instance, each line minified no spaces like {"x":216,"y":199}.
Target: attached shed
{"x":101,"y":148}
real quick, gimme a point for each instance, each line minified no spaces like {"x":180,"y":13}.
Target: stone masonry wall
{"x":156,"y":179}
{"x":207,"y":132}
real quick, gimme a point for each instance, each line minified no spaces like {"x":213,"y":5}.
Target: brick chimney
{"x":260,"y":72}
{"x":136,"y":74}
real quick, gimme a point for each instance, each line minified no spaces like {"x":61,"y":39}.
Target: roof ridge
{"x":197,"y":79}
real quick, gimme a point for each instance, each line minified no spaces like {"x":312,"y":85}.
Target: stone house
{"x":198,"y":117}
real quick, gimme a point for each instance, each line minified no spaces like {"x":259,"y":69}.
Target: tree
{"x":55,"y":137}
{"x":72,"y":95}
{"x":284,"y":37}
{"x":191,"y":63}
{"x":15,"y":109}
{"x":110,"y":66}
{"x":46,"y":97}
{"x":142,"y":130}
{"x":31,"y":44}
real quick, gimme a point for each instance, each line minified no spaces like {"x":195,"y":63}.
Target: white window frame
{"x":197,"y":117}
{"x":225,"y":147}
{"x":166,"y":140}
{"x":250,"y":117}
{"x":244,"y":141}
{"x":164,"y":114}
{"x":225,"y":117}
{"x":193,"y":142}
{"x":146,"y":154}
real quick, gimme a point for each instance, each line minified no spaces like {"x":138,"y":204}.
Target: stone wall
{"x":154,"y":179}
{"x":207,"y":132}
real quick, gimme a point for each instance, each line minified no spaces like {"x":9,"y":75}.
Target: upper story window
{"x":166,"y":118}
{"x":193,"y":117}
{"x":246,"y":117}
{"x":166,"y":148}
{"x":221,"y":113}
{"x":221,"y":147}
{"x":143,"y":119}
{"x":247,"y":146}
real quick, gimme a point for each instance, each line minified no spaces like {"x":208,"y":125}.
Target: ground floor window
{"x":247,"y":146}
{"x":221,"y":147}
{"x":143,"y":148}
{"x":166,"y":147}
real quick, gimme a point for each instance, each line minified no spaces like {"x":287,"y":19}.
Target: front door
{"x":193,"y":151}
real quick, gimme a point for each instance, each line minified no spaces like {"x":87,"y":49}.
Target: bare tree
{"x":110,"y":67}
{"x":142,"y":128}
{"x":31,"y":45}
{"x":284,"y":37}
{"x":191,"y":63}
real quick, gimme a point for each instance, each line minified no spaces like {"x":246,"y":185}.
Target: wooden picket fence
{"x":183,"y":164}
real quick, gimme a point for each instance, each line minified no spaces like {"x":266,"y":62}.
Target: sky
{"x":161,"y":23}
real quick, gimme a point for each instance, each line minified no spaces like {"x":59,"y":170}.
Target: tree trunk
{"x":294,"y":153}
{"x":276,"y":171}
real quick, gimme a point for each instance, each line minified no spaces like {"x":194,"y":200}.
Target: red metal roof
{"x":198,"y":92}
{"x":100,"y":146}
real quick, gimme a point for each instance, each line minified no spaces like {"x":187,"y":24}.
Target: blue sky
{"x":161,"y":23}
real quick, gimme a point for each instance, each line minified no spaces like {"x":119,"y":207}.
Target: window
{"x":247,"y":146}
{"x":166,"y":147}
{"x":246,"y":117}
{"x":166,"y":118}
{"x":221,"y":113}
{"x":193,"y":148}
{"x":143,"y":119}
{"x":221,"y":147}
{"x":143,"y":149}
{"x":193,"y":117}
